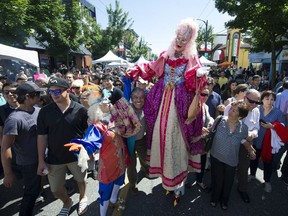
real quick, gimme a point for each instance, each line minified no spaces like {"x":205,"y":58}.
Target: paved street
{"x":151,"y":200}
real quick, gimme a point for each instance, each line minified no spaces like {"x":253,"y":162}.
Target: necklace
{"x":178,"y":55}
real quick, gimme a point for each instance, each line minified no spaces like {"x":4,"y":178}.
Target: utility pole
{"x":206,"y":36}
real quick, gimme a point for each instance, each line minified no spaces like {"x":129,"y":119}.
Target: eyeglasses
{"x":252,"y":101}
{"x":55,"y":92}
{"x":75,"y":87}
{"x":204,"y":95}
{"x":6,"y":92}
{"x":118,"y":84}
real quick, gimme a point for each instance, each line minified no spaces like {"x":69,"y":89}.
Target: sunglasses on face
{"x":252,"y":101}
{"x":6,"y":92}
{"x":204,"y":95}
{"x":55,"y":92}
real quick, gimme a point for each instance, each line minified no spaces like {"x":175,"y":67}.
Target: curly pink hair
{"x":185,"y":25}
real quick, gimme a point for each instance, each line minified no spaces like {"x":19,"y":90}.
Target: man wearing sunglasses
{"x":20,"y":131}
{"x":247,"y":151}
{"x":59,"y":123}
{"x":10,"y":96}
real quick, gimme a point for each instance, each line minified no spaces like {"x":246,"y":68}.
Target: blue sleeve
{"x":127,"y":87}
{"x":92,"y":140}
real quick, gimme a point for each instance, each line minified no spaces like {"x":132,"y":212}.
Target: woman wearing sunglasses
{"x":269,"y":115}
{"x":207,"y":123}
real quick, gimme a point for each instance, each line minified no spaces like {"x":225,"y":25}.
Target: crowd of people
{"x":161,"y":112}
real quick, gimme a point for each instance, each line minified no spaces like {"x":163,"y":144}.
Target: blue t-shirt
{"x":212,"y":102}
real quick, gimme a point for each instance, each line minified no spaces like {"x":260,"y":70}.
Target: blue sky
{"x":156,"y":20}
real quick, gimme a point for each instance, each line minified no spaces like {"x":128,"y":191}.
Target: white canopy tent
{"x":27,"y":56}
{"x":207,"y":62}
{"x":109,"y":57}
{"x":141,"y":60}
{"x":122,"y":64}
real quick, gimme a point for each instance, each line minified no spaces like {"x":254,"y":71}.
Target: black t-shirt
{"x":5,"y":111}
{"x":61,"y":128}
{"x":22,"y":124}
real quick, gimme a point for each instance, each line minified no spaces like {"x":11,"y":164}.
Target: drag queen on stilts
{"x":171,"y":153}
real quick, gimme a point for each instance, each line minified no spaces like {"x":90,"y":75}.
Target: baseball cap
{"x":59,"y":82}
{"x":28,"y":87}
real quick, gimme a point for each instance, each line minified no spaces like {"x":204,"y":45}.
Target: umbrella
{"x":226,"y":64}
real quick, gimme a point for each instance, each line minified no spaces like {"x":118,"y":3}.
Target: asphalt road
{"x":151,"y":200}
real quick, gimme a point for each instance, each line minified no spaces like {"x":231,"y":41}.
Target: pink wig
{"x":186,"y":25}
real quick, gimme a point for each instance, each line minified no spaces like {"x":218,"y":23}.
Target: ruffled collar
{"x":177,"y":62}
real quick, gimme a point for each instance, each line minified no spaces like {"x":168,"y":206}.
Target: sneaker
{"x":251,"y":177}
{"x":268,"y":187}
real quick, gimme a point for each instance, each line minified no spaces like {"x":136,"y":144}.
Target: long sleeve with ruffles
{"x":194,"y":75}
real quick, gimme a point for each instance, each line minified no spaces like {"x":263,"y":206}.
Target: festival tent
{"x":109,"y":57}
{"x":141,"y":60}
{"x":206,"y":62}
{"x":12,"y":53}
{"x":124,"y":63}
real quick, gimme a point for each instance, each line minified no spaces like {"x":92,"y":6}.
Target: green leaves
{"x":266,"y":19}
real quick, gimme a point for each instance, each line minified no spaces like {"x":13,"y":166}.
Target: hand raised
{"x":73,"y":146}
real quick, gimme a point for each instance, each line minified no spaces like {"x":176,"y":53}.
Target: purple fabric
{"x":183,"y":99}
{"x":151,"y":107}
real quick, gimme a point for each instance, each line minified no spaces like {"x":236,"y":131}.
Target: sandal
{"x":168,"y":192}
{"x":83,"y":206}
{"x":65,"y":211}
{"x":176,"y":200}
{"x":121,"y":204}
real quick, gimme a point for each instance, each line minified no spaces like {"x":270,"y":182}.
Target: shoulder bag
{"x":210,"y":137}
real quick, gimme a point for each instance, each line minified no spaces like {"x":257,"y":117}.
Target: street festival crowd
{"x":174,"y":115}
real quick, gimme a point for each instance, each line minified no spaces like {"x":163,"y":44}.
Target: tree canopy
{"x":62,"y":28}
{"x":267,"y":20}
